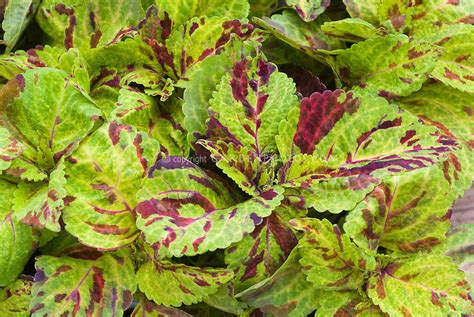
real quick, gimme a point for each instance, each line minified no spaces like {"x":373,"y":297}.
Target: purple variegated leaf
{"x":244,"y":116}
{"x":343,"y":144}
{"x":147,"y":308}
{"x":263,"y":251}
{"x":100,"y":286}
{"x":15,"y":298}
{"x":308,"y":10}
{"x":185,"y":211}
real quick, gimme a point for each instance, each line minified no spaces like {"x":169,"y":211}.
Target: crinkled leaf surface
{"x":241,"y":128}
{"x":364,"y":9}
{"x":18,"y":240}
{"x":308,"y":37}
{"x":406,"y":213}
{"x":104,"y":174}
{"x":185,"y":211}
{"x":329,"y":259}
{"x":40,"y":204}
{"x":287,"y":292}
{"x":179,"y":284}
{"x":263,"y":251}
{"x":51,"y":112}
{"x":455,"y":67}
{"x":308,"y":10}
{"x":18,"y":14}
{"x":422,"y":285}
{"x":203,"y":82}
{"x":73,"y":286}
{"x":350,"y":141}
{"x":15,"y":298}
{"x":10,"y":148}
{"x":74,"y":23}
{"x":452,"y":111}
{"x":388,"y":66}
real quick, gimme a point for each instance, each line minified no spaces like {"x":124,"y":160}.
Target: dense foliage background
{"x":215,"y":158}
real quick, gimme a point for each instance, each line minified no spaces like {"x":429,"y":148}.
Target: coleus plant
{"x":211,"y":158}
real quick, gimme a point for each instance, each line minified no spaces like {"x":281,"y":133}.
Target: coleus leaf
{"x":50,"y":104}
{"x":10,"y":148}
{"x":187,"y":212}
{"x":194,"y":41}
{"x":163,"y":122}
{"x":457,"y":246}
{"x":406,"y":213}
{"x":102,"y":194}
{"x":263,"y":251}
{"x":287,"y":292}
{"x":224,"y":300}
{"x":15,"y":298}
{"x":242,"y":121}
{"x":360,"y":308}
{"x":421,"y":285}
{"x":308,"y":10}
{"x":432,"y":14}
{"x":181,"y":11}
{"x":17,"y":16}
{"x":203,"y":82}
{"x":451,"y":110}
{"x":329,"y":259}
{"x":40,"y":204}
{"x":388,"y":66}
{"x":334,"y":167}
{"x":18,"y":239}
{"x":364,"y":9}
{"x":308,"y":37}
{"x":456,"y":65}
{"x":70,"y":286}
{"x":72,"y":23}
{"x":179,"y":283}
{"x":350,"y":30}
{"x":146,"y":308}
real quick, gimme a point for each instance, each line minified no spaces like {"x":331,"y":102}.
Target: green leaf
{"x":308,"y":10}
{"x":73,"y":23}
{"x":196,"y":40}
{"x":51,"y":113}
{"x":18,"y":240}
{"x":10,"y":148}
{"x":224,"y":300}
{"x":364,"y":9}
{"x":329,"y":259}
{"x":350,"y":30}
{"x":179,"y":284}
{"x":162,"y":122}
{"x":457,"y":246}
{"x":187,"y":212}
{"x":242,"y":126}
{"x":263,"y":251}
{"x":451,"y":110}
{"x":203,"y":82}
{"x":344,"y":144}
{"x":180,"y":11}
{"x":387,"y":66}
{"x":39,"y":204}
{"x":287,"y":292}
{"x":103,"y":176}
{"x":406,"y":213}
{"x":102,"y":286}
{"x":17,"y":16}
{"x":423,"y":285}
{"x":15,"y":298}
{"x":308,"y":37}
{"x":456,"y":65}
{"x":146,"y":308}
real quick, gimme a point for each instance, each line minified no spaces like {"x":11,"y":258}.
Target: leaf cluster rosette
{"x":249,"y":158}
